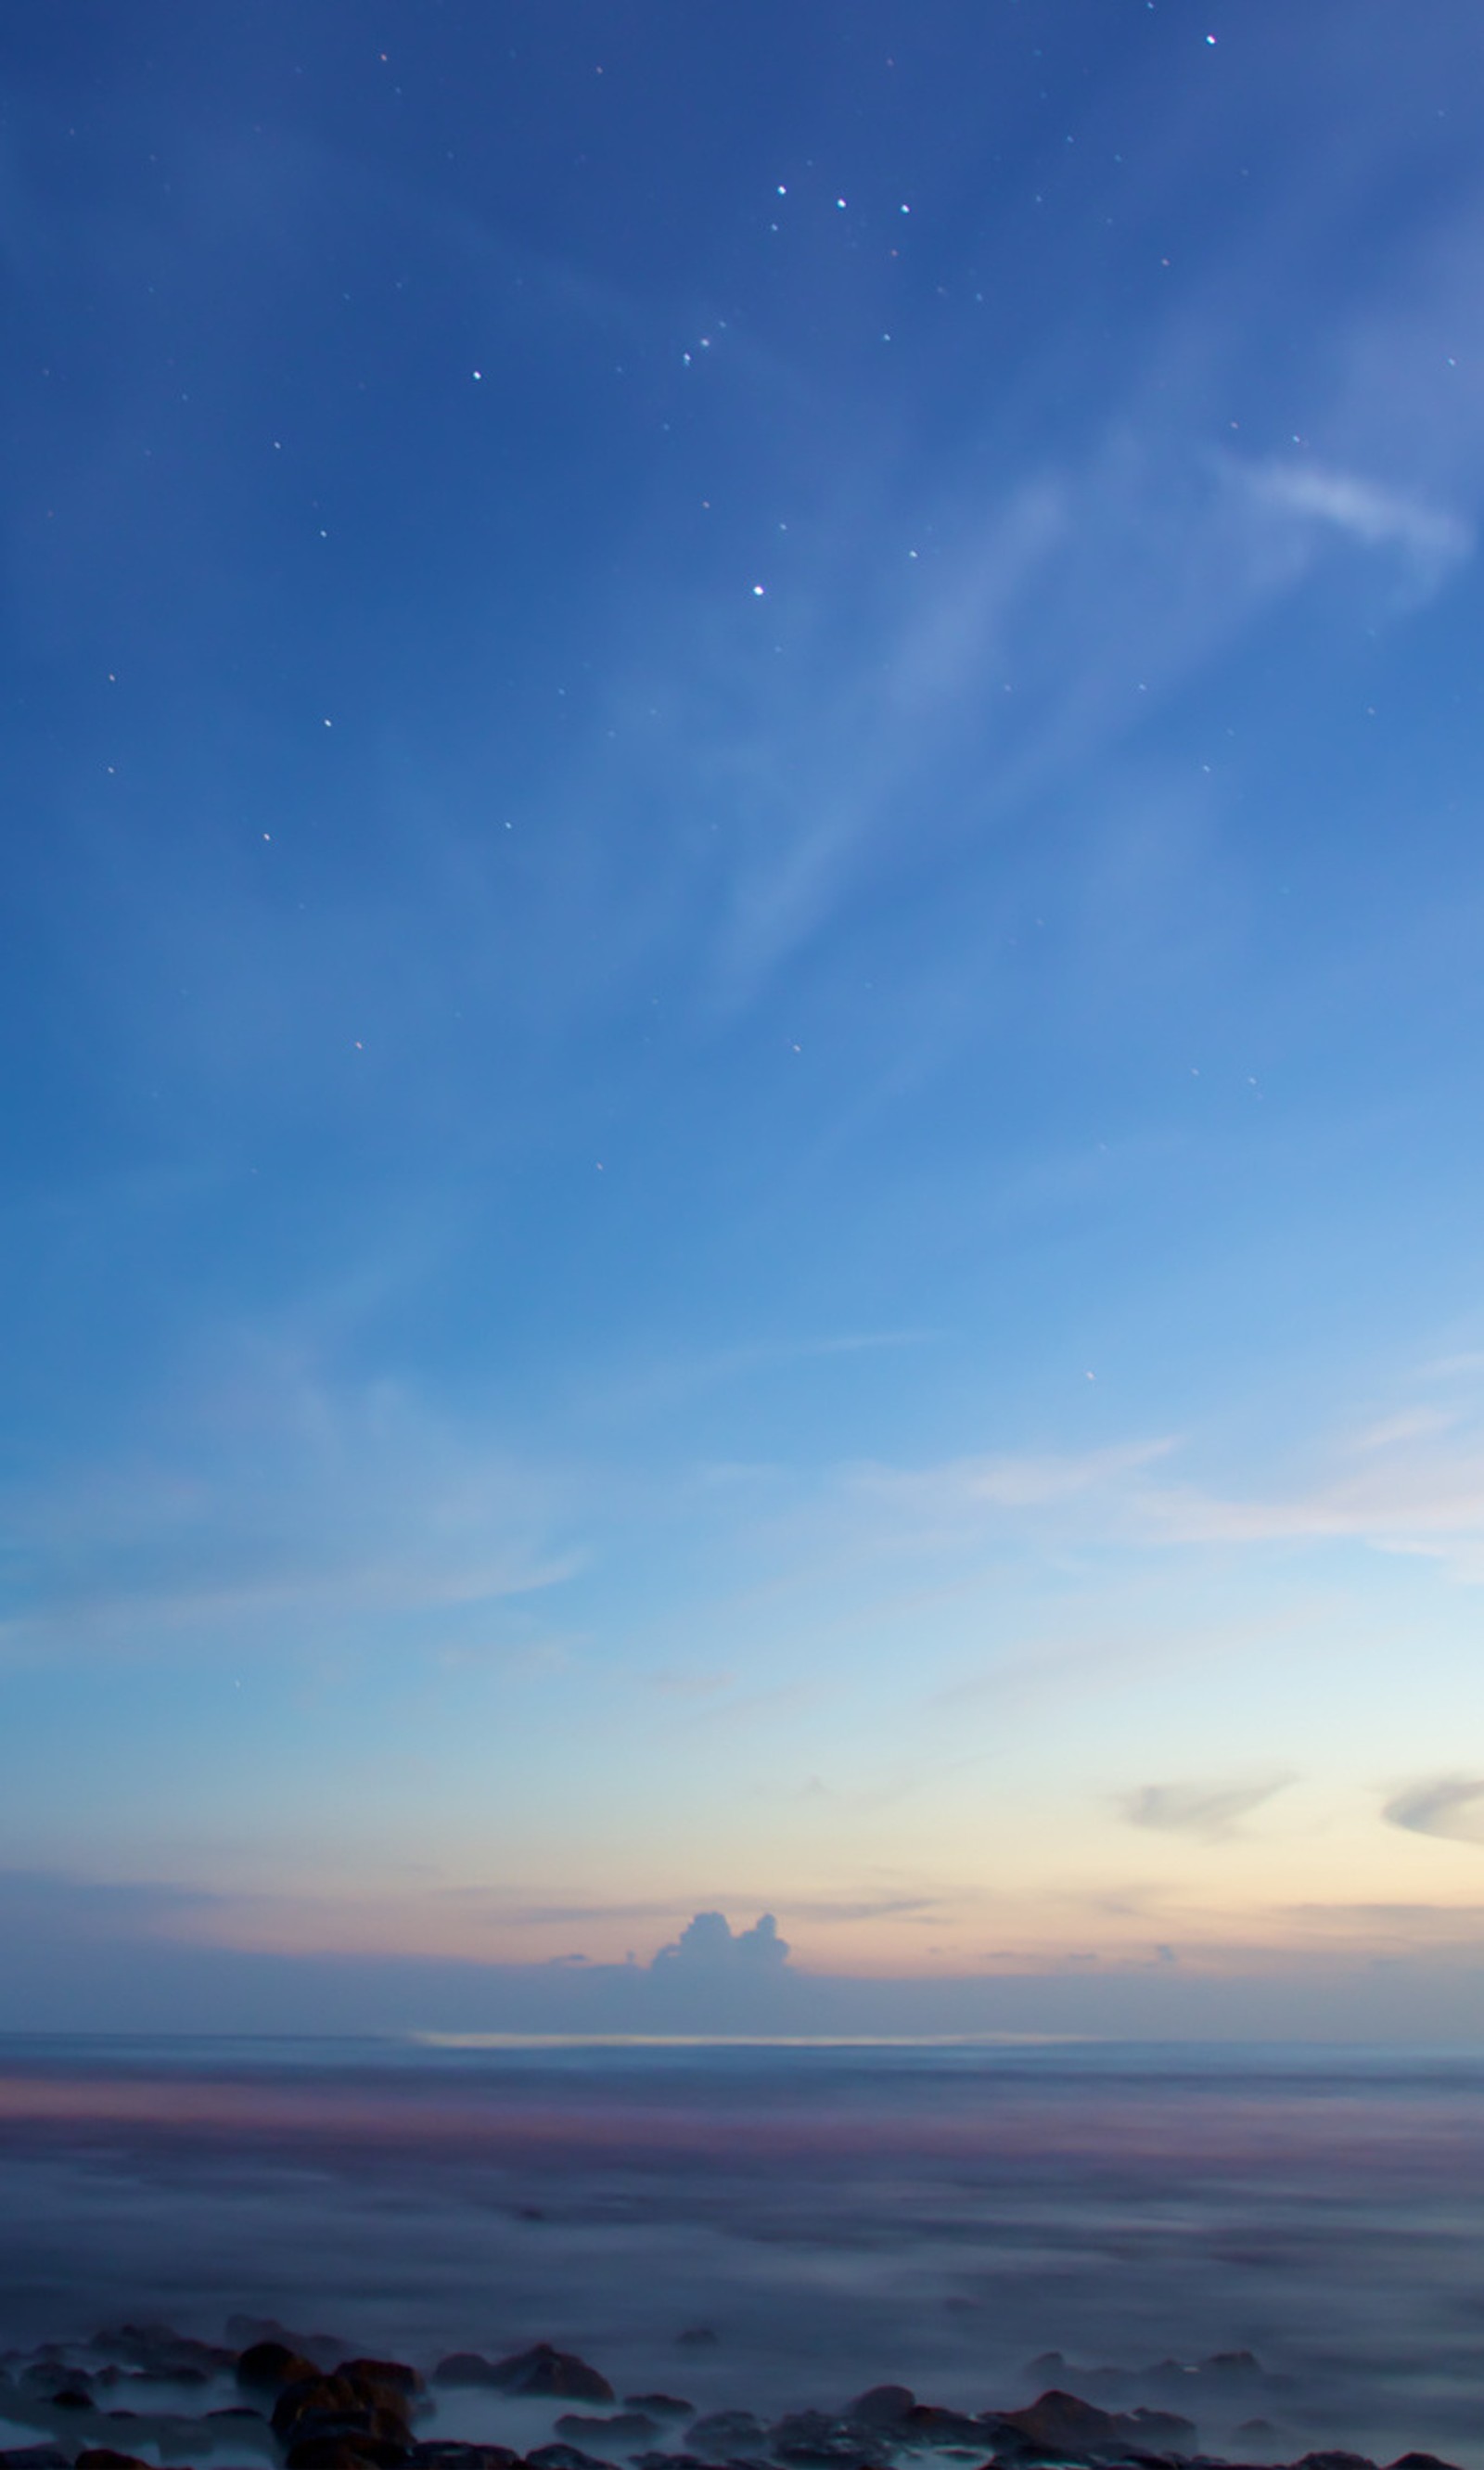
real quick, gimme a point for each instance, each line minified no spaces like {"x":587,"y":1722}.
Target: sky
{"x":741,"y":791}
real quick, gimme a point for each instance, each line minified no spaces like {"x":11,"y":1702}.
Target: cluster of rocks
{"x":302,"y":2405}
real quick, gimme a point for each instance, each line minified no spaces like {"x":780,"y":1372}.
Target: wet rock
{"x":332,"y":2447}
{"x":47,"y":2379}
{"x":465,"y":2368}
{"x":1061,"y":2426}
{"x":246,"y":2331}
{"x":809,"y":2437}
{"x":71,"y":2398}
{"x":1333,"y":2461}
{"x":1419,"y":2461}
{"x":723,"y":2432}
{"x":565,"y":2457}
{"x":102,"y":2456}
{"x":557,"y":2375}
{"x":388,"y":2373}
{"x":883,"y":2406}
{"x":445,"y":2453}
{"x":659,"y":2404}
{"x":622,"y":2427}
{"x":266,"y":2367}
{"x":349,"y":2394}
{"x":1162,"y":2429}
{"x":159,"y":2351}
{"x":34,"y":2457}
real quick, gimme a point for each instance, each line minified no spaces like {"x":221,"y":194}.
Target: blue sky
{"x":741,"y":798}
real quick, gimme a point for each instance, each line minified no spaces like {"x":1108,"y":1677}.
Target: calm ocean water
{"x":836,"y":2218}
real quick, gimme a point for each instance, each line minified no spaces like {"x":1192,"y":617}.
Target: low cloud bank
{"x":85,"y":1958}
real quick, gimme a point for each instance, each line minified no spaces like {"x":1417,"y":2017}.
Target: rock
{"x":883,"y":2406}
{"x":623,"y":2427}
{"x":1419,"y":2461}
{"x":565,"y":2457}
{"x":102,"y":2456}
{"x":34,"y":2457}
{"x":266,"y":2367}
{"x":380,"y":2410}
{"x":159,"y":2351}
{"x":659,"y":2404}
{"x":810,"y":2436}
{"x":1061,"y":2426}
{"x":70,"y":2398}
{"x":465,"y":2368}
{"x":50,"y":2378}
{"x":1162,"y":2429}
{"x":553,"y":2374}
{"x":332,"y":2445}
{"x":445,"y":2453}
{"x":724,"y":2431}
{"x":1333,"y":2461}
{"x":246,"y":2331}
{"x":389,"y":2374}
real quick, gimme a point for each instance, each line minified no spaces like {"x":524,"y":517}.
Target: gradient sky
{"x":742,"y":818}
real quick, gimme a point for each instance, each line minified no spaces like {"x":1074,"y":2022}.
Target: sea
{"x":1285,"y":2244}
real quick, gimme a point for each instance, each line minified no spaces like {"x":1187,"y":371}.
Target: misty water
{"x":773,"y":2228}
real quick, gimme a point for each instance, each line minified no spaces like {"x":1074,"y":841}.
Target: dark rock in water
{"x":465,"y":2368}
{"x":238,"y":2410}
{"x":1333,"y":2461}
{"x":686,"y":2461}
{"x":697,"y":2336}
{"x":1061,"y":2426}
{"x":565,"y":2457}
{"x":623,"y":2427}
{"x":726,"y":2432}
{"x":1163,"y":2430}
{"x":245,"y":2332}
{"x":554,"y":2374}
{"x":102,"y":2456}
{"x":811,"y":2437}
{"x":883,"y":2406}
{"x":266,"y":2367}
{"x":336,"y":2446}
{"x":71,"y":2398}
{"x":34,"y":2457}
{"x":50,"y":2378}
{"x":445,"y":2453}
{"x":1058,"y":2423}
{"x":1419,"y":2461}
{"x":159,"y":2350}
{"x":381,"y":2408}
{"x":659,"y":2404}
{"x":389,"y":2374}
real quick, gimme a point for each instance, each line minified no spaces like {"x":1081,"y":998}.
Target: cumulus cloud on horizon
{"x":709,"y":1944}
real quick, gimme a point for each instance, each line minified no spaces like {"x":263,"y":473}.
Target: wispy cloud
{"x":1365,"y":511}
{"x":1211,"y":1812}
{"x":1452,"y":1807}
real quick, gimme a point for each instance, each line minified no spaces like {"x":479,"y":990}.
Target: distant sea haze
{"x":828,"y":2218}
